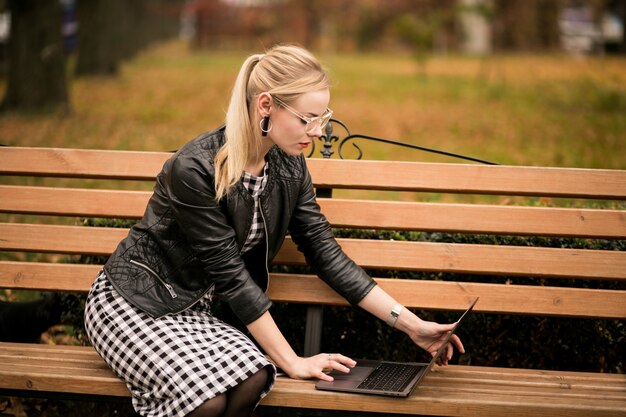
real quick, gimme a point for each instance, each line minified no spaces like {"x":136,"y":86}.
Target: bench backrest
{"x":41,"y":219}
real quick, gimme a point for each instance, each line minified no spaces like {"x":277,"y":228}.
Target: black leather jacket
{"x":187,"y":244}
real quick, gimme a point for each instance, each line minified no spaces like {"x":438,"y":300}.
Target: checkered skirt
{"x":172,"y":364}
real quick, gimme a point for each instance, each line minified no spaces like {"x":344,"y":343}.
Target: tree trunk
{"x":37,"y":62}
{"x":98,"y":44}
{"x":112,"y":31}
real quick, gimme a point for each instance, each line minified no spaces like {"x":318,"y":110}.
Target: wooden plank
{"x":455,"y":390}
{"x":475,"y":259}
{"x":452,"y":390}
{"x":297,"y":288}
{"x":464,"y":218}
{"x":392,"y":215}
{"x":12,"y":377}
{"x":408,"y":176}
{"x":57,"y":365}
{"x":47,"y":276}
{"x":613,"y":383}
{"x":472,"y":179}
{"x":73,"y":202}
{"x":452,"y":295}
{"x":60,"y":239}
{"x":376,"y":254}
{"x":81,"y":163}
{"x":52,"y":352}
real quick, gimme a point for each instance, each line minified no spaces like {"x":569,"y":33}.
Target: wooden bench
{"x":44,"y":191}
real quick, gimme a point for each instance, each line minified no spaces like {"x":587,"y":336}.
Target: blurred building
{"x":475,"y":26}
{"x":583,"y":32}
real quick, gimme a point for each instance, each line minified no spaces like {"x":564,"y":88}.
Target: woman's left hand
{"x":430,"y":336}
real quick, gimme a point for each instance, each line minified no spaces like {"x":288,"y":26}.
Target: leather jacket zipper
{"x":267,"y":246}
{"x":195,"y":302}
{"x":167,"y":286}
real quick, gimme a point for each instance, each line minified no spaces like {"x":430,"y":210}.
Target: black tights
{"x":238,"y":401}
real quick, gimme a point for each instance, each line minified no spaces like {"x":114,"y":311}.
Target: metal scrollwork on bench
{"x":330,"y":137}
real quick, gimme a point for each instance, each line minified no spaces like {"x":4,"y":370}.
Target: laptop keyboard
{"x":390,"y":377}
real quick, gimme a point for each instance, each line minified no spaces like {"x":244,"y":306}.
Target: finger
{"x":324,"y":377}
{"x":346,"y":361}
{"x":327,"y":361}
{"x":457,"y":342}
{"x":340,"y":362}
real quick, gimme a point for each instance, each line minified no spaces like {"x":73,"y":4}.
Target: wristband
{"x":393,"y":316}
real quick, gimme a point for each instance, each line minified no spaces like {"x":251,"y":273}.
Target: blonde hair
{"x":284,"y":71}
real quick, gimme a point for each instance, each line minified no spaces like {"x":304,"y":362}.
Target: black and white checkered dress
{"x":255,"y":185}
{"x":175,"y":363}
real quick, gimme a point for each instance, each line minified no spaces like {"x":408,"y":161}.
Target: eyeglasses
{"x":312,"y":123}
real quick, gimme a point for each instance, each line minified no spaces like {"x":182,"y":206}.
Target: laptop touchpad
{"x":351,"y":379}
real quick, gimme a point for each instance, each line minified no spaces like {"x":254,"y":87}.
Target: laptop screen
{"x":444,"y":345}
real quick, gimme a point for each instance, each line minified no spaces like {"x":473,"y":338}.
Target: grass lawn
{"x":521,"y":110}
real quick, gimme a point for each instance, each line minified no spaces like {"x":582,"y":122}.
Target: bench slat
{"x":27,"y":379}
{"x":81,"y":163}
{"x":475,"y":259}
{"x":296,"y":288}
{"x":494,"y":298}
{"x":465,"y":218}
{"x":345,"y":213}
{"x":469,"y":179}
{"x":46,"y":351}
{"x":447,"y":393}
{"x":407,"y":176}
{"x":613,"y":383}
{"x":47,"y":276}
{"x":377,"y":254}
{"x":458,"y":390}
{"x":54,"y":365}
{"x":73,"y":202}
{"x":45,"y":238}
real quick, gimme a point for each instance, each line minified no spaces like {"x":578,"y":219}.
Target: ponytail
{"x":285,"y":71}
{"x":231,"y":159}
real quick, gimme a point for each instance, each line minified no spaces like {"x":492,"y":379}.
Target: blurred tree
{"x":311,"y":12}
{"x":418,"y":34}
{"x":107,"y":34}
{"x":366,"y":29}
{"x":37,"y":62}
{"x":112,"y":31}
{"x":102,"y":41}
{"x":527,"y":24}
{"x":419,"y":29}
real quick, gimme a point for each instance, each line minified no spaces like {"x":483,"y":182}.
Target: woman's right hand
{"x":317,"y":366}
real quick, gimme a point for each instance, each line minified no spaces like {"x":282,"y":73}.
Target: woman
{"x":219,"y":213}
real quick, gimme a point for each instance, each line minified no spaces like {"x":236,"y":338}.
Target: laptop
{"x":396,"y":379}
